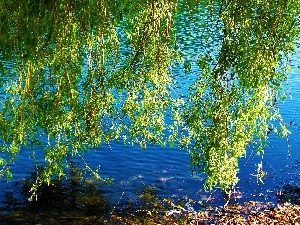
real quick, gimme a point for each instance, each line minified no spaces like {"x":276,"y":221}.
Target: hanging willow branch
{"x":82,"y":73}
{"x":232,"y":100}
{"x":78,"y":74}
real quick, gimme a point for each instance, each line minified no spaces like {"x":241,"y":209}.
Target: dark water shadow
{"x":73,"y":200}
{"x":82,"y":201}
{"x":77,"y":200}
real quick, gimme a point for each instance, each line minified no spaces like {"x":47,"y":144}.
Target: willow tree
{"x":232,"y":103}
{"x":78,"y":74}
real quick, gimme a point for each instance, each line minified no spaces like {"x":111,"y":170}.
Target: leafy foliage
{"x":78,"y":74}
{"x":233,"y":100}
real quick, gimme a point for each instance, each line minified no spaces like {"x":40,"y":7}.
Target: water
{"x":167,"y":169}
{"x":281,"y":156}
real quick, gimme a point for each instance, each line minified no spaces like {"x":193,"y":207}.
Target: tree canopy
{"x":78,"y":74}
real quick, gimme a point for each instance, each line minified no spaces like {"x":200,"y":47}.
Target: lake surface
{"x":167,"y":169}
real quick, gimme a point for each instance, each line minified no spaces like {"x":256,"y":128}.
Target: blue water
{"x":167,"y":169}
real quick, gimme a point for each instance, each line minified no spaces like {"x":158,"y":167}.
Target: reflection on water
{"x":73,"y":198}
{"x":83,"y":201}
{"x":164,"y":169}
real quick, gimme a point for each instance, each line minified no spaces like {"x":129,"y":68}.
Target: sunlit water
{"x":167,"y":169}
